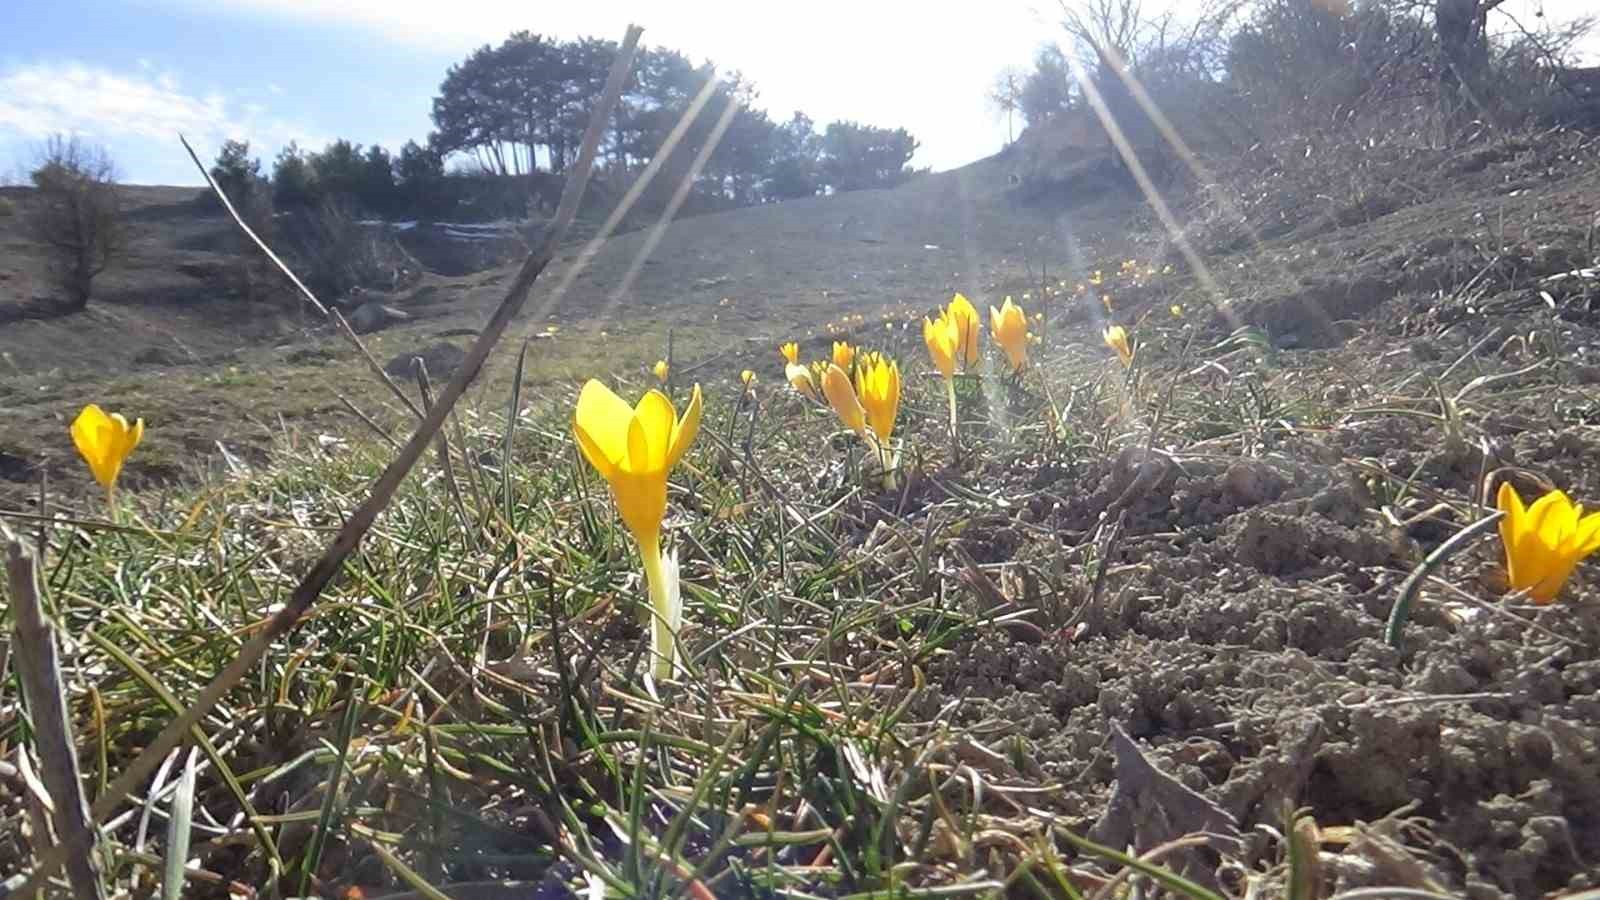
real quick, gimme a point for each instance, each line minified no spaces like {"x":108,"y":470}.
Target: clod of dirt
{"x":441,"y":359}
{"x":373,"y":316}
{"x":158,"y":356}
{"x":1149,"y":808}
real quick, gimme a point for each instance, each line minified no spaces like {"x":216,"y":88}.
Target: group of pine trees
{"x":510,"y":115}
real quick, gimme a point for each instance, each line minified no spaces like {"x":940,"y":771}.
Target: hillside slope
{"x":163,"y":340}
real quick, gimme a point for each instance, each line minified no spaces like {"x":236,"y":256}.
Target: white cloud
{"x":66,"y":97}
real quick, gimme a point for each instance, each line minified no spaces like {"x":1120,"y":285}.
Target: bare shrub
{"x":337,"y":253}
{"x":77,"y":214}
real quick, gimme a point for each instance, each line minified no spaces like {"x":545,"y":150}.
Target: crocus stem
{"x":662,"y":640}
{"x":955,"y":440}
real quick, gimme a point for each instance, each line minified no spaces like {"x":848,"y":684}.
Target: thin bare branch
{"x":39,"y":668}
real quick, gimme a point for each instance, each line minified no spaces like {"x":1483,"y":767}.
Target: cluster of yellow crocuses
{"x":636,"y":447}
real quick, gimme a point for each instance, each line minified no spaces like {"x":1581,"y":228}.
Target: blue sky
{"x":131,"y":74}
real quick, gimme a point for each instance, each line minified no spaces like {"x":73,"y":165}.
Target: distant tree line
{"x":508,"y":120}
{"x":1254,"y":69}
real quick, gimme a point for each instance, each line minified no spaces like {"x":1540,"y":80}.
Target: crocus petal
{"x":685,"y":429}
{"x":596,"y":455}
{"x":1586,"y":539}
{"x":842,"y":397}
{"x":878,"y":387}
{"x":943,"y":342}
{"x":1511,"y":528}
{"x":964,"y":316}
{"x":1546,"y":515}
{"x":800,"y":379}
{"x":601,"y":421}
{"x":655,"y":418}
{"x":843,"y":354}
{"x":1551,"y":582}
{"x":641,"y":495}
{"x":637,"y":461}
{"x":87,"y":431}
{"x":1552,"y":517}
{"x":135,"y":435}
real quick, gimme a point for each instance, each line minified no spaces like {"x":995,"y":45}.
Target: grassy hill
{"x":909,"y":692}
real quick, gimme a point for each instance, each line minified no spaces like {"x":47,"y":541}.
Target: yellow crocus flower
{"x":1010,"y":326}
{"x":748,"y":379}
{"x":943,"y":338}
{"x":661,"y":370}
{"x":800,"y":379}
{"x":791,"y":352}
{"x":843,"y":354}
{"x":634,"y":449}
{"x":104,"y":441}
{"x":842,"y":397}
{"x":1544,"y":542}
{"x":944,"y":342}
{"x":1117,"y":339}
{"x":965,"y":316}
{"x":878,"y":388}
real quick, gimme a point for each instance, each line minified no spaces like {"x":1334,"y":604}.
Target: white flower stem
{"x":663,"y":619}
{"x":955,"y":439}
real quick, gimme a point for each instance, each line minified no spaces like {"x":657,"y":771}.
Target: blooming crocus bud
{"x":944,"y":342}
{"x":965,"y":318}
{"x":748,"y":379}
{"x":104,"y":442}
{"x":800,"y":379}
{"x":843,"y":354}
{"x":634,"y":450}
{"x":1117,"y":339}
{"x":878,"y":389}
{"x":661,"y":370}
{"x":1010,"y":327}
{"x":1544,"y":542}
{"x":842,"y":397}
{"x":791,"y":352}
